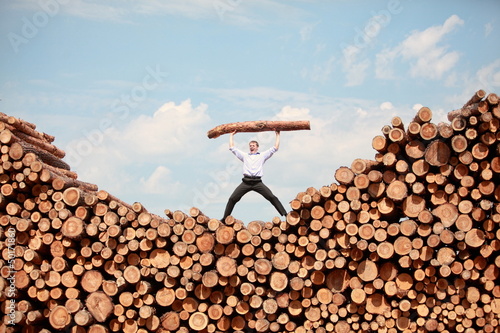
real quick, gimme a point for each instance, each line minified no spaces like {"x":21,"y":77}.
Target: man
{"x":253,"y":163}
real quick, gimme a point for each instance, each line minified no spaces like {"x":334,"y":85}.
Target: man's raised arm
{"x":231,"y":140}
{"x":277,"y":143}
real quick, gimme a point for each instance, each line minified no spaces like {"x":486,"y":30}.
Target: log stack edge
{"x":406,"y":242}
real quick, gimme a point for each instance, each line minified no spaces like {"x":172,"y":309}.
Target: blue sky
{"x":130,"y":88}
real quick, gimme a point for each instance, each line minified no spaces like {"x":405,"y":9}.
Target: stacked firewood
{"x":413,"y":236}
{"x":406,"y":242}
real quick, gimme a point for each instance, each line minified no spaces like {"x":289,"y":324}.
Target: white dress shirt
{"x":253,"y":163}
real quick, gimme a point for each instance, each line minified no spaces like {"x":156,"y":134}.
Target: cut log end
{"x":73,"y":227}
{"x":59,"y":318}
{"x":99,"y":305}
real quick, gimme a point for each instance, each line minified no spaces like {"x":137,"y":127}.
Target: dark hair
{"x":254,"y":142}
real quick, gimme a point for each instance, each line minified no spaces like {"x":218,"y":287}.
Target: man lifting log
{"x":253,"y":163}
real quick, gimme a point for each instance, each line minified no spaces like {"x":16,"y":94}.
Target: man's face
{"x":253,"y":147}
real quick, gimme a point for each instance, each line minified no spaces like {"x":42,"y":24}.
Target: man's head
{"x":254,"y":146}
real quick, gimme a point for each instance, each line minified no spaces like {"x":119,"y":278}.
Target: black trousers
{"x":252,"y":184}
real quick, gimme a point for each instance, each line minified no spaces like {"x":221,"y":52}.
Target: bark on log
{"x":258,"y":126}
{"x":33,"y":141}
{"x":25,"y":127}
{"x":478,"y":96}
{"x":46,"y":156}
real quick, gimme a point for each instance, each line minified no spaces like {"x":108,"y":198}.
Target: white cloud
{"x":423,"y":51}
{"x":290,"y":113}
{"x":434,"y":64}
{"x":157,"y":182}
{"x":419,"y":43}
{"x":362,"y":113}
{"x":169,"y":130}
{"x":386,"y":106}
{"x":417,"y":107}
{"x":489,"y":75}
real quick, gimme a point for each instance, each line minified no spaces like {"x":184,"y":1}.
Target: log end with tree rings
{"x":91,"y":281}
{"x":99,"y":305}
{"x":379,"y":143}
{"x":344,"y":175}
{"x":362,"y":166}
{"x":226,"y":266}
{"x":437,"y":153}
{"x":447,"y":214}
{"x":367,"y":270}
{"x":224,"y":234}
{"x":132,"y":274}
{"x":428,"y":131}
{"x":378,"y":304}
{"x":385,"y":250}
{"x":263,"y":266}
{"x":338,"y":280}
{"x":205,"y":242}
{"x":459,"y":143}
{"x":59,"y":317}
{"x":397,"y":135}
{"x":413,"y":205}
{"x":424,"y":115}
{"x":198,"y":321}
{"x":170,"y":321}
{"x":397,"y":190}
{"x":475,"y":238}
{"x":278,"y":281}
{"x":73,"y":227}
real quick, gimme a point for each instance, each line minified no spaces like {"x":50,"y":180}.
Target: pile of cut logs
{"x":406,"y":242}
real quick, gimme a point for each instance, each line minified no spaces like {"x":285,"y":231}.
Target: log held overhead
{"x":258,"y":126}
